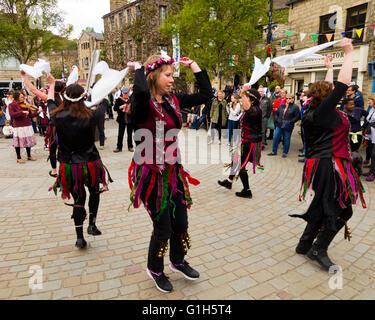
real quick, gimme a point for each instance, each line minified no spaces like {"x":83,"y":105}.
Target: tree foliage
{"x":25,"y":28}
{"x":213,"y":30}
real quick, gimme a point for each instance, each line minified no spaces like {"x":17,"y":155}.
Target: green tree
{"x":213,"y":30}
{"x":25,"y":28}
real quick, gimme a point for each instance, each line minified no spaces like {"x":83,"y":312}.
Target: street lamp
{"x":269,"y":35}
{"x":63,"y":66}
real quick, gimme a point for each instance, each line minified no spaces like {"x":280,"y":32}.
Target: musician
{"x":21,"y":114}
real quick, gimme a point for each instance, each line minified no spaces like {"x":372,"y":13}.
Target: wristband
{"x":330,"y":69}
{"x":191,"y":63}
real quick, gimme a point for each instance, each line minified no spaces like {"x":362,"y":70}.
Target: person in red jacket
{"x":23,"y":136}
{"x":278,"y":102}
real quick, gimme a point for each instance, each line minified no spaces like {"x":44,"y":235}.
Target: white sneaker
{"x":219,"y":142}
{"x":210,"y":142}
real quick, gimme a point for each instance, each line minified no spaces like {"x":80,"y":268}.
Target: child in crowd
{"x":8,"y":130}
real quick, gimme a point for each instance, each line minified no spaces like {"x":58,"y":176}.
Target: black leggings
{"x":79,"y":212}
{"x":172,"y":225}
{"x":18,"y":152}
{"x":243,"y":173}
{"x":52,"y":155}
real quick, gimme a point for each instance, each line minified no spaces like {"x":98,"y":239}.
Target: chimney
{"x":116,"y":4}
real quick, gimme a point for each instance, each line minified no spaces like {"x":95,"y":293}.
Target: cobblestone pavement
{"x":244,"y":249}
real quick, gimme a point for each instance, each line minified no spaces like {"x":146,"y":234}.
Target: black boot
{"x":308,"y":237}
{"x":92,"y":228}
{"x":319,"y":249}
{"x":225,"y":183}
{"x":244,"y":194}
{"x":321,"y":256}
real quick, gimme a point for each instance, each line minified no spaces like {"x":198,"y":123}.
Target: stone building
{"x":329,"y":21}
{"x":62,"y":62}
{"x":131,"y":30}
{"x":87,"y":43}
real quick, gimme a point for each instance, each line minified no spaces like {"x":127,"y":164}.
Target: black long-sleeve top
{"x":142,"y":95}
{"x":326,"y":128}
{"x":75,"y":136}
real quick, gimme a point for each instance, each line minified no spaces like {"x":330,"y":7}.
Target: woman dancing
{"x":50,"y":134}
{"x":328,"y":169}
{"x":160,"y":181}
{"x":250,"y":149}
{"x":80,"y":163}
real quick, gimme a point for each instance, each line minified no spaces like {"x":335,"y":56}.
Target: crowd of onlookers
{"x":281,"y":113}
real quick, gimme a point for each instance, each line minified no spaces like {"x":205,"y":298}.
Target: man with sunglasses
{"x":285,"y":118}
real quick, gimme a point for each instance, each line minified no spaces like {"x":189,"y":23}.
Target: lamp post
{"x":62,"y":59}
{"x":269,"y":36}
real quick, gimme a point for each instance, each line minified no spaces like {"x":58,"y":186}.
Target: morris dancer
{"x":50,"y":135}
{"x":160,"y":181}
{"x":80,"y":163}
{"x":328,"y":169}
{"x":250,"y":149}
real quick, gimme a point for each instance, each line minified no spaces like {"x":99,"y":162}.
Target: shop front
{"x":299,"y":76}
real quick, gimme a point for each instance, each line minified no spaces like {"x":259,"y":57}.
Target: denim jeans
{"x":276,"y":140}
{"x":197,"y":123}
{"x":232,"y":126}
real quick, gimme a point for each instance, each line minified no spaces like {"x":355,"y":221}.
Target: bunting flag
{"x":289,"y":33}
{"x":343,"y":34}
{"x":302,"y":36}
{"x":373,"y":26}
{"x":329,"y":36}
{"x":359,"y":32}
{"x":314,"y":37}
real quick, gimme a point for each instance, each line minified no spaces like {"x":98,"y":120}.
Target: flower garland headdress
{"x":165,"y":59}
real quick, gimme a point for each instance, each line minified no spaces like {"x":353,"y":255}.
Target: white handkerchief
{"x":37,"y":70}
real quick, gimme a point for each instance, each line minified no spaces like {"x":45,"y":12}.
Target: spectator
{"x":279,"y":101}
{"x":266,"y":107}
{"x":354,"y":116}
{"x":8,"y":130}
{"x":285,"y":118}
{"x":370,"y":124}
{"x":123,"y":109}
{"x":190,"y":117}
{"x":234,"y":111}
{"x":200,"y":117}
{"x":277,"y":93}
{"x":354,"y":94}
{"x":218,"y":115}
{"x":371,"y":104}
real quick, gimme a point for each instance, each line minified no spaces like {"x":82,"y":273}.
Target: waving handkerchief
{"x":73,"y":77}
{"x":259,"y":70}
{"x":109,"y":81}
{"x":37,"y":70}
{"x":307,"y":54}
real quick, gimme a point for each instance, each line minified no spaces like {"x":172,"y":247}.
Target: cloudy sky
{"x":84,"y":13}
